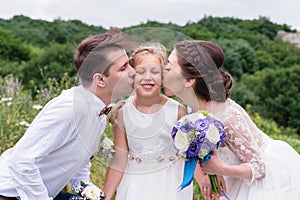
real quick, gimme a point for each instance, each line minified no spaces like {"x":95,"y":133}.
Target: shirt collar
{"x":98,"y":103}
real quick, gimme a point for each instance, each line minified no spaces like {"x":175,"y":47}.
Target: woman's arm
{"x":217,"y":166}
{"x":243,"y":139}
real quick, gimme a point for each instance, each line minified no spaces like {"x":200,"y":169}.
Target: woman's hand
{"x":222,"y":183}
{"x":215,"y":165}
{"x":205,"y":187}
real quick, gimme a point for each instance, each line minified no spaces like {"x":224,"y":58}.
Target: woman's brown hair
{"x":202,"y":61}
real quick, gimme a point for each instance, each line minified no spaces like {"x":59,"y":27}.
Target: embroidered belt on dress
{"x":151,"y":161}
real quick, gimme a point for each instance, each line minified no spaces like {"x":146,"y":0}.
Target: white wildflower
{"x":107,"y":143}
{"x":24,"y":123}
{"x":37,"y":107}
{"x":6,"y":99}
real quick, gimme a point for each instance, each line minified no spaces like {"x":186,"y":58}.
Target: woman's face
{"x":173,"y":80}
{"x":148,"y":78}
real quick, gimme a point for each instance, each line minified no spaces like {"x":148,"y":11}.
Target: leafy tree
{"x":264,"y":60}
{"x":51,"y":62}
{"x":283,"y":53}
{"x":164,"y":35}
{"x":240,"y":57}
{"x":278,"y":93}
{"x":198,"y":32}
{"x":243,"y":94}
{"x":11,"y":48}
{"x":41,"y":33}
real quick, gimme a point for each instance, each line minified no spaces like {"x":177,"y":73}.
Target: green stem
{"x":215,"y":184}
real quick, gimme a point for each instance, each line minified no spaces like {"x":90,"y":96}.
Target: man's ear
{"x":99,"y":79}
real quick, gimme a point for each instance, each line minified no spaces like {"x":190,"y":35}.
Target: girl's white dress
{"x":153,"y":170}
{"x":275,"y":165}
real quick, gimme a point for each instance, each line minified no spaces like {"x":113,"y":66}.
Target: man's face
{"x":121,"y":74}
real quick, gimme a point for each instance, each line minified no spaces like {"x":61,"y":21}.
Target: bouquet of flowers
{"x":195,"y":136}
{"x":88,"y":192}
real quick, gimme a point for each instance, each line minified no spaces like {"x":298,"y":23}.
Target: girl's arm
{"x":118,"y":163}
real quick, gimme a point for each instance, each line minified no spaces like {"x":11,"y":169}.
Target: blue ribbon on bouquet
{"x":189,"y":169}
{"x":188,"y":175}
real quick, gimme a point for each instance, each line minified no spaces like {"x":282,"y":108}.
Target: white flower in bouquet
{"x":193,"y":117}
{"x":181,"y":141}
{"x":91,"y":192}
{"x":213,"y":134}
{"x":88,"y":192}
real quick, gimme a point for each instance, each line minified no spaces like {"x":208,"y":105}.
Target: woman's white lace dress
{"x":275,"y":165}
{"x":153,"y":170}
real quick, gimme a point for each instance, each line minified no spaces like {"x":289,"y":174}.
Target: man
{"x":60,"y":141}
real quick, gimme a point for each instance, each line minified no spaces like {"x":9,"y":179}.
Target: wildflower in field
{"x":37,"y":107}
{"x":3,"y":99}
{"x":23,"y":123}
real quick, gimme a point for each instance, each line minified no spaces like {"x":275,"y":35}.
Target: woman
{"x":142,"y":129}
{"x":254,"y":165}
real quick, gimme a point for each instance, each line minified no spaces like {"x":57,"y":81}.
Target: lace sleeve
{"x":243,"y":138}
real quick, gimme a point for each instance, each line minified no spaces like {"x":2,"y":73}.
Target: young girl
{"x":143,"y":130}
{"x":254,"y":165}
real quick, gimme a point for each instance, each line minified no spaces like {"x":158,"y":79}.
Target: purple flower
{"x":178,"y":124}
{"x":222,"y":137}
{"x":210,"y":119}
{"x":187,"y":127}
{"x":193,"y":149}
{"x":207,"y":145}
{"x":202,"y":124}
{"x":219,"y":125}
{"x":77,"y":197}
{"x":173,"y":133}
{"x":201,"y":136}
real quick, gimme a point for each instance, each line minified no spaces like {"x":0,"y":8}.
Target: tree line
{"x":265,"y":68}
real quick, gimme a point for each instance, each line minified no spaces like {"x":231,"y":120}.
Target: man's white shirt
{"x":55,"y":149}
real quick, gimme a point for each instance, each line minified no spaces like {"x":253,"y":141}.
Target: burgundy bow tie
{"x":105,"y":110}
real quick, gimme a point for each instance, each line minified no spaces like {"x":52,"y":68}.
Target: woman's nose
{"x":131,"y":72}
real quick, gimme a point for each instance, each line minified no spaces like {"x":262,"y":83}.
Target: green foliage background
{"x":39,"y":54}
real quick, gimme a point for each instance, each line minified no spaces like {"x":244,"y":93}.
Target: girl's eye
{"x":139,"y":71}
{"x":156,"y":72}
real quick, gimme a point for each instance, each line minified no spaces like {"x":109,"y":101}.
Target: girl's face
{"x":148,"y":78}
{"x":173,"y":81}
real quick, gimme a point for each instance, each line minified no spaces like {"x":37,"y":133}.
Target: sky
{"x":125,"y":13}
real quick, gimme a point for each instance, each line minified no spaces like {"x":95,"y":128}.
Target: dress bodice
{"x":149,"y":135}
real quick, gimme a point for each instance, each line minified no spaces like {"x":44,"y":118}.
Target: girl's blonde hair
{"x":155,"y":49}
